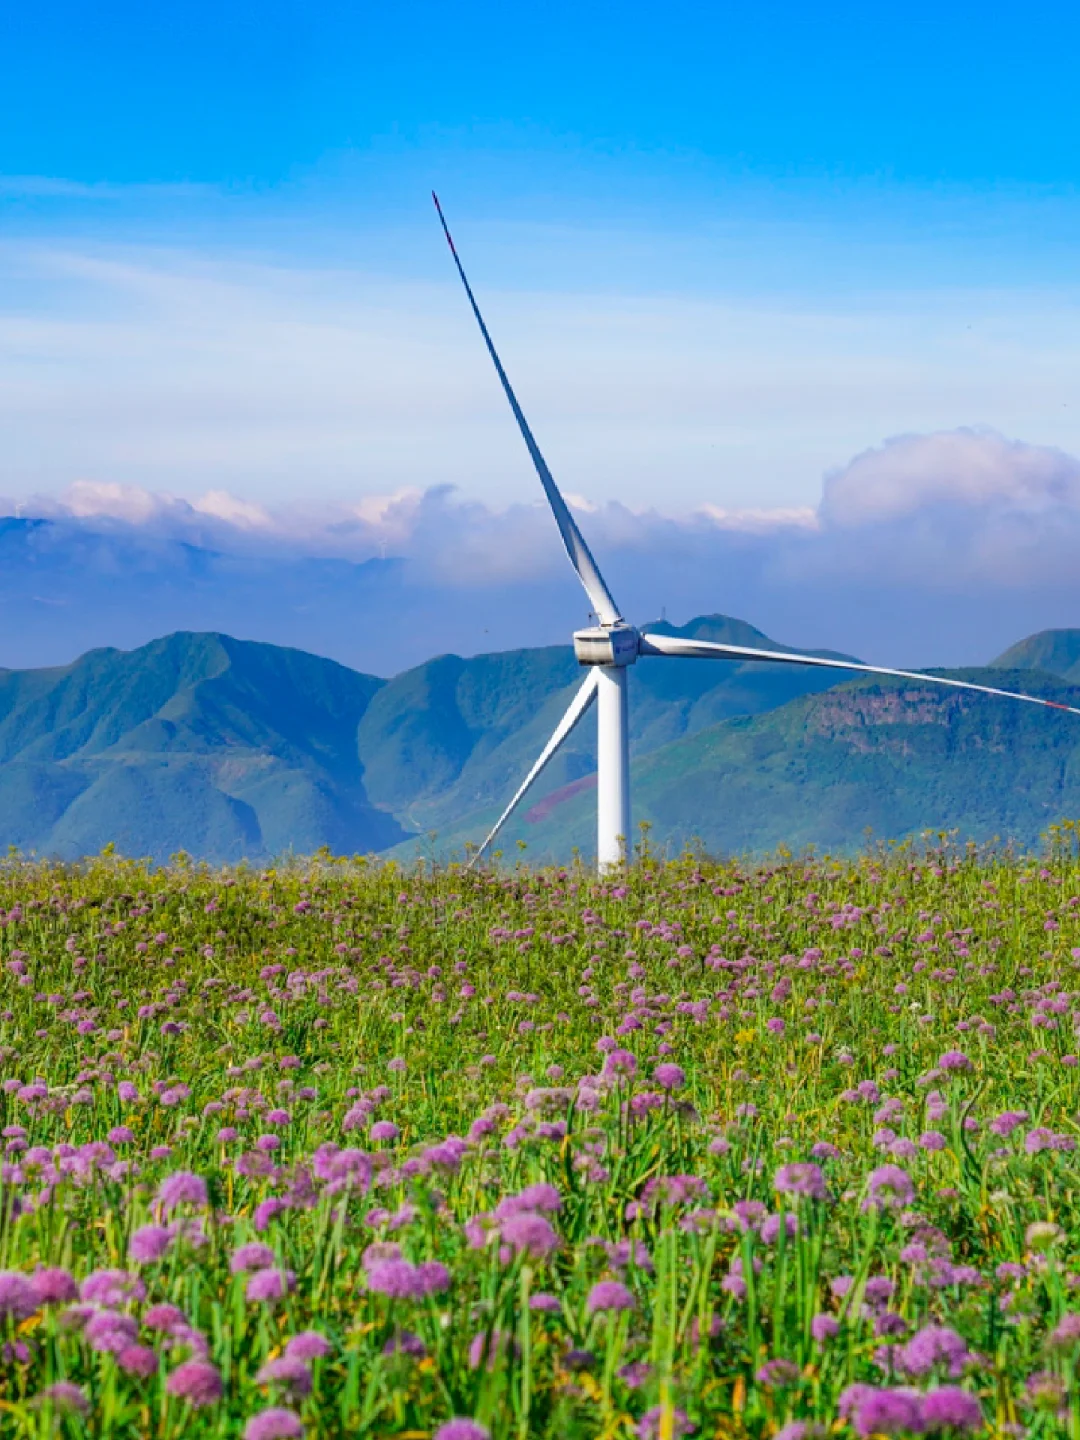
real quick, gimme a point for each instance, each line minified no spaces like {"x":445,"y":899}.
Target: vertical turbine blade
{"x":586,"y":694}
{"x":580,"y":555}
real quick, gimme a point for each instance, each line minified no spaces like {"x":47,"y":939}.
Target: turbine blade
{"x":675,"y":645}
{"x":584,"y":697}
{"x":579,"y":553}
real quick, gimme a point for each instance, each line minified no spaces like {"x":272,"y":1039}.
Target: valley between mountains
{"x":230,"y":749}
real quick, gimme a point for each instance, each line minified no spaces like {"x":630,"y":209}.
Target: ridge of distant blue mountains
{"x":230,"y":749}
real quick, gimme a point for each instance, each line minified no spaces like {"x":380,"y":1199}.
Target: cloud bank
{"x":932,"y":548}
{"x":962,"y":506}
{"x":266,"y":375}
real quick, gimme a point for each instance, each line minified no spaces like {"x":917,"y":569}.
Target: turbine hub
{"x":607,"y":645}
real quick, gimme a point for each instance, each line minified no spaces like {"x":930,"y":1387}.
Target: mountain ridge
{"x":1057,"y":651}
{"x":197,"y":741}
{"x":231,"y":749}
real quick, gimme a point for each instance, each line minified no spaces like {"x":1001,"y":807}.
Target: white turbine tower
{"x":610,"y":648}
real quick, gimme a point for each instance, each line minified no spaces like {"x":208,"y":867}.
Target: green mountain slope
{"x":230,"y":749}
{"x":895,"y":758}
{"x":455,"y":736}
{"x":1057,"y":651}
{"x":218,"y":746}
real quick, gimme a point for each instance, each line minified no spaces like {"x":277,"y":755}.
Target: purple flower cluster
{"x":946,"y":1410}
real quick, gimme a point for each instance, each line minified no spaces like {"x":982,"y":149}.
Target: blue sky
{"x":230,"y":94}
{"x":725,"y":250}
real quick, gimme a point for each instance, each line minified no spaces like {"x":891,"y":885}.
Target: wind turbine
{"x":610,"y":648}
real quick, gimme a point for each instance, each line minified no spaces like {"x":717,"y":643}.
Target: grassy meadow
{"x":342,"y":1149}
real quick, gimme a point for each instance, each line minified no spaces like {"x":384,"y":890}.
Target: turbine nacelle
{"x":607,"y":645}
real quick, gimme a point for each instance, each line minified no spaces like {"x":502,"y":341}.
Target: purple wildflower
{"x":109,"y":1332}
{"x":395,"y":1278}
{"x":635,"y":1374}
{"x":669,"y":1076}
{"x":889,"y":1187}
{"x":384,"y":1130}
{"x":64,"y":1397}
{"x":772,"y":1225}
{"x":933,"y":1346}
{"x":620,"y":1062}
{"x":888,"y":1412}
{"x":530,"y":1233}
{"x":149,"y":1243}
{"x":851,"y":1398}
{"x":1004,"y":1124}
{"x":137,"y":1360}
{"x":196,"y":1381}
{"x":253,"y":1255}
{"x":655,"y":1423}
{"x":18,"y":1297}
{"x":541,"y":1197}
{"x":950,"y":1408}
{"x":824,"y":1327}
{"x":460,"y":1429}
{"x":954,"y":1060}
{"x":609,"y":1295}
{"x":111,"y":1287}
{"x":576,"y":1359}
{"x":307,"y":1345}
{"x":775,"y":1374}
{"x":274,"y":1424}
{"x":432,"y":1277}
{"x":53,"y":1286}
{"x":404,"y":1342}
{"x":1045,"y":1390}
{"x":801,"y":1179}
{"x":288,"y":1371}
{"x":164,"y":1317}
{"x":1066,"y":1332}
{"x":270,"y":1284}
{"x":889,"y":1325}
{"x":749,"y":1213}
{"x":878,"y":1290}
{"x":182,"y":1188}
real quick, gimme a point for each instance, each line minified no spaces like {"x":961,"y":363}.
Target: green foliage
{"x":893,"y":757}
{"x":223,"y":746}
{"x":231,"y":749}
{"x":655,"y":1051}
{"x":1057,"y":651}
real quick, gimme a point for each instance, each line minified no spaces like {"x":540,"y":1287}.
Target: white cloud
{"x":93,"y":499}
{"x":975,"y":469}
{"x":188,"y":372}
{"x":763,"y":521}
{"x":964,"y":506}
{"x":941,"y":548}
{"x":245,"y":515}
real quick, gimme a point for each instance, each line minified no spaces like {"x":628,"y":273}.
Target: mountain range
{"x":232,"y":749}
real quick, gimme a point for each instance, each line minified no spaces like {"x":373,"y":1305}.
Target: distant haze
{"x":927,"y":549}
